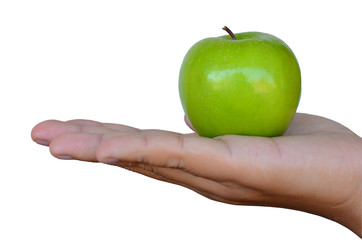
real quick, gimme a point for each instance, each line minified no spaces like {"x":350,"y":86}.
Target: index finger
{"x":44,"y":132}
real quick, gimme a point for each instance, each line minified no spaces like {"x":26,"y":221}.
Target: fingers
{"x":222,"y":160}
{"x":76,"y":139}
{"x":88,"y":125}
{"x":208,"y":166}
{"x":45,"y":131}
{"x":218,"y":159}
{"x":202,"y":157}
{"x":80,"y":146}
{"x":93,"y":141}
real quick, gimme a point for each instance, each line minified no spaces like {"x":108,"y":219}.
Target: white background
{"x":118,"y":61}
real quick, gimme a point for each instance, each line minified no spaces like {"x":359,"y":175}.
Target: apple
{"x":244,"y":84}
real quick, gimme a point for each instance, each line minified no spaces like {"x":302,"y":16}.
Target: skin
{"x":315,"y":167}
{"x":247,"y":86}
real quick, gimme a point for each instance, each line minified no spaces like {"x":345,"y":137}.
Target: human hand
{"x":315,"y":167}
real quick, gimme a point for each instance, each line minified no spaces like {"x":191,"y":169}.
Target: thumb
{"x":187,"y":121}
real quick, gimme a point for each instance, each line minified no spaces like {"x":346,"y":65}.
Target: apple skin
{"x":248,"y":86}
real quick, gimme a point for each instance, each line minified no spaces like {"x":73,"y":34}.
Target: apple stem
{"x":229,"y":32}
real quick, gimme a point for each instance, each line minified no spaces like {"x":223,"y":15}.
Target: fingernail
{"x":110,"y":160}
{"x":65,"y":157}
{"x":42,"y":142}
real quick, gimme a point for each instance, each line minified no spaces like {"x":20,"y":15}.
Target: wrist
{"x":351,"y":215}
{"x":348,"y":214}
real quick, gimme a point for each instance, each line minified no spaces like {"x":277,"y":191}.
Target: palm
{"x":314,"y":167}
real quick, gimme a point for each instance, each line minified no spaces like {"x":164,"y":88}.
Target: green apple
{"x":245,"y":84}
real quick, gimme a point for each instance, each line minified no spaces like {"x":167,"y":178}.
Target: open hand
{"x":315,"y":167}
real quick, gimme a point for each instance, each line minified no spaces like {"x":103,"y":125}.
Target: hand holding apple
{"x":246,"y":84}
{"x":316,"y":168}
